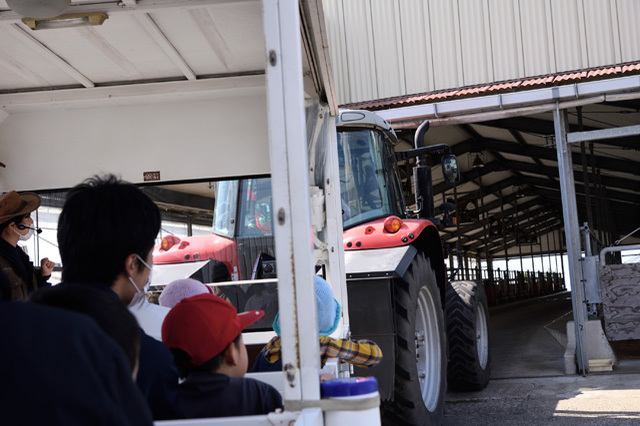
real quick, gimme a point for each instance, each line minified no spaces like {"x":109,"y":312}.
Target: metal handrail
{"x":604,"y":251}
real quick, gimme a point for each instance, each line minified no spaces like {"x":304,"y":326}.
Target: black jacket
{"x":60,"y":368}
{"x":205,"y":394}
{"x":18,"y":277}
{"x":157,"y":374}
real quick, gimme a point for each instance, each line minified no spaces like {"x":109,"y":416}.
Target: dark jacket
{"x":60,"y":368}
{"x":18,"y":277}
{"x":205,"y":394}
{"x":158,"y":377}
{"x":157,"y":374}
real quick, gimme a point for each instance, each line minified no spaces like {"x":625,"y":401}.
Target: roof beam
{"x":126,"y":94}
{"x":607,"y":163}
{"x":139,"y":6}
{"x":546,"y":228}
{"x":532,"y":222}
{"x":606,"y":134}
{"x":612,"y":194}
{"x":49,"y":55}
{"x":630,"y":184}
{"x":161,"y":39}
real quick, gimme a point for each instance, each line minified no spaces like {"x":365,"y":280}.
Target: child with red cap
{"x":204,"y":333}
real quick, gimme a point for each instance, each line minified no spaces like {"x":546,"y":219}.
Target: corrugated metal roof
{"x":502,"y":86}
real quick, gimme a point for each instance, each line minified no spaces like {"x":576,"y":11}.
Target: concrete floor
{"x":520,"y":344}
{"x":528,"y":385}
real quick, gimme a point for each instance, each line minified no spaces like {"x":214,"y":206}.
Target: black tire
{"x":418,"y":308}
{"x":467,"y":313}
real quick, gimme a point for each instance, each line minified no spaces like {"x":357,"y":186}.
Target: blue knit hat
{"x":327,"y":306}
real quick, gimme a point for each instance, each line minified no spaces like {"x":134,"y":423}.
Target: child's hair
{"x":183,"y":362}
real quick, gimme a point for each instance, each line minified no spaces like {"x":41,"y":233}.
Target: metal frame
{"x":290,"y":188}
{"x":572,"y":232}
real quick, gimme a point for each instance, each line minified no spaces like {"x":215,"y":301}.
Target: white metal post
{"x":333,"y":232}
{"x":572,"y":232}
{"x":290,"y":187}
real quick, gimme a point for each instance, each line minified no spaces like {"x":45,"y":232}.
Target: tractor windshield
{"x":369,"y":182}
{"x":251,"y":200}
{"x":224,"y":212}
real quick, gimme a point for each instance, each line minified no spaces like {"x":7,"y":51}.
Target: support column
{"x":572,"y":231}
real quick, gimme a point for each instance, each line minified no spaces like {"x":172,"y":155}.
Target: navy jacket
{"x":60,"y":368}
{"x":157,"y":377}
{"x":205,"y":394}
{"x":157,"y":374}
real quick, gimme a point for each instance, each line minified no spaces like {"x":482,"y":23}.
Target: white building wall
{"x":628,"y":12}
{"x":386,"y":48}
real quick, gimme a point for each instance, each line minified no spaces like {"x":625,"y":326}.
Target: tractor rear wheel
{"x":420,"y":372}
{"x":467,"y":314}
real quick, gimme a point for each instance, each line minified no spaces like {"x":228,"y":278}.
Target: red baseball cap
{"x":204,"y":325}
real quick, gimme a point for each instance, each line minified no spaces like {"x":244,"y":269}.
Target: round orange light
{"x":168,"y":242}
{"x":392,"y":224}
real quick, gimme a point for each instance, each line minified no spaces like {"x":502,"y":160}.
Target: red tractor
{"x":430,"y":330}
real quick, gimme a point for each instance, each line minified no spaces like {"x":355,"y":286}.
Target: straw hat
{"x":13,"y":204}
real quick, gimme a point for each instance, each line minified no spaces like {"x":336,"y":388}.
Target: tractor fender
{"x":371,"y":276}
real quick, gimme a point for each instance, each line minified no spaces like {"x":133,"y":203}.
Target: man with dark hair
{"x":106,"y":233}
{"x":204,"y":332}
{"x":18,"y":276}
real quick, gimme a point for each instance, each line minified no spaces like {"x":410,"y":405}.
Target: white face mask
{"x":138,"y":298}
{"x":26,"y":236}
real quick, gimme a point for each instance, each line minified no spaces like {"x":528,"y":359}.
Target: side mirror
{"x":450,"y":169}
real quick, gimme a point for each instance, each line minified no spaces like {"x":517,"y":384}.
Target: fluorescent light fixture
{"x":66,"y":21}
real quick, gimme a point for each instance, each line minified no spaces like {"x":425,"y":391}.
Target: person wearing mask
{"x":106,"y":233}
{"x":18,"y":276}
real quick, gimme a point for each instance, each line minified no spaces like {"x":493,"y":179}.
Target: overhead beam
{"x":543,"y":170}
{"x":626,"y":214}
{"x":527,"y":225}
{"x":612,"y":194}
{"x":614,"y":164}
{"x":131,"y":93}
{"x":161,"y":39}
{"x":46,"y":53}
{"x":612,"y":133}
{"x":548,"y":227}
{"x":139,"y":6}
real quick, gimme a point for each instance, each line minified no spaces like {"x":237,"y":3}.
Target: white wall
{"x":53,"y":147}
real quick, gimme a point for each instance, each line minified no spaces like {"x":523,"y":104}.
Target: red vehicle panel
{"x":202,"y":247}
{"x":373,"y":234}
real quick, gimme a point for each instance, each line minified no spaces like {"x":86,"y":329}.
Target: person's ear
{"x":231,"y":354}
{"x":130,"y":264}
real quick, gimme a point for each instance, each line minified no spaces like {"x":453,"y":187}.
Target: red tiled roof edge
{"x":601,"y":72}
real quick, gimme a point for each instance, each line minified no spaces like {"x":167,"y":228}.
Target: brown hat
{"x":13,"y":204}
